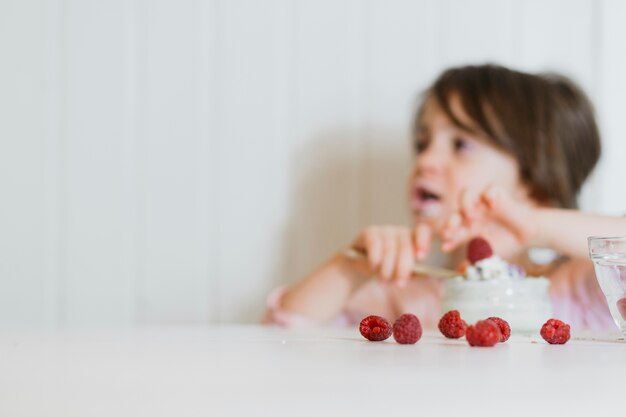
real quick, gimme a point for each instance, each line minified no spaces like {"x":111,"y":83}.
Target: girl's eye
{"x":420,"y":146}
{"x":460,"y":144}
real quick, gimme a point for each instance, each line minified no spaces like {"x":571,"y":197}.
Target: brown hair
{"x":545,"y":121}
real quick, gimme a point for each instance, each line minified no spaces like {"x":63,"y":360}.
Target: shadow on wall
{"x":340,"y":184}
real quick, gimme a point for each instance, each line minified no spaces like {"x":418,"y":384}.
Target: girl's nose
{"x":430,"y":161}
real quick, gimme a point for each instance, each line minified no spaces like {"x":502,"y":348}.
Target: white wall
{"x":174,"y":160}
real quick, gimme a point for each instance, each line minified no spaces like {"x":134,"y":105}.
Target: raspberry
{"x":451,"y":325}
{"x":478,"y":249}
{"x":555,"y":332}
{"x":483,"y":333}
{"x":375,"y":328}
{"x":407,"y":329}
{"x":621,"y":307}
{"x":503,"y":325}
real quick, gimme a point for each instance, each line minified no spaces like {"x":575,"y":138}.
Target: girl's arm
{"x":391,"y":253}
{"x":566,"y":231}
{"x":323,"y":294}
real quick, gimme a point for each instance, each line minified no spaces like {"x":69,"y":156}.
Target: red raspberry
{"x":503,"y":325}
{"x":407,"y":329}
{"x":375,"y":328}
{"x":483,"y":333}
{"x":478,"y":249}
{"x":555,"y":332}
{"x":451,"y":325}
{"x":621,"y":307}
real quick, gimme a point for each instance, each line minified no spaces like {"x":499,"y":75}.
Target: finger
{"x":458,"y":232}
{"x":504,"y":209}
{"x":462,"y":236}
{"x":468,"y":204}
{"x":405,"y":261}
{"x":423,"y":236}
{"x":452,"y":225}
{"x":499,"y":203}
{"x":390,"y":256}
{"x":374,"y":247}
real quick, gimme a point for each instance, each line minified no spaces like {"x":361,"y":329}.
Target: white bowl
{"x":523,"y":303}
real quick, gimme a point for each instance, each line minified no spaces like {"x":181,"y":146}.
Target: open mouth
{"x":424,"y":195}
{"x":426,"y":202}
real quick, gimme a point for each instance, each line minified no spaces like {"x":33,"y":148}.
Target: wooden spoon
{"x":418,"y":269}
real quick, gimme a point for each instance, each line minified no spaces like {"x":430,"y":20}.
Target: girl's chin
{"x":436,"y":222}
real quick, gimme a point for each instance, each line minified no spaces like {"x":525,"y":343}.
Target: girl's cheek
{"x":457,"y":185}
{"x":476,"y":179}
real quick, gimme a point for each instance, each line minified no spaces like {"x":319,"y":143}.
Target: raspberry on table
{"x":555,"y":332}
{"x":483,"y":333}
{"x":451,"y":325}
{"x":478,"y":249}
{"x":375,"y":328}
{"x":407,"y":329}
{"x":503,"y":325}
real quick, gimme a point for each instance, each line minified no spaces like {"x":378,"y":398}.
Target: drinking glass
{"x":609,"y":260}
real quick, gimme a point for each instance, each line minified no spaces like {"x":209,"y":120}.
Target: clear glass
{"x":609,"y":260}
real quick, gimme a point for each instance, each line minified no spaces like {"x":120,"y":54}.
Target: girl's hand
{"x":493,"y":214}
{"x":392,"y":251}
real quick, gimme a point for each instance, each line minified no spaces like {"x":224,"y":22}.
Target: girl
{"x":498,"y":153}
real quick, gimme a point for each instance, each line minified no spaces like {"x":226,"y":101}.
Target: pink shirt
{"x":575,"y":294}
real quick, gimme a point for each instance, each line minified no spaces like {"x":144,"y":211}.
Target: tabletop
{"x":267,"y":371}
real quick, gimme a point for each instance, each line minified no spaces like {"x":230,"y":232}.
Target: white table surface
{"x":261,"y":371}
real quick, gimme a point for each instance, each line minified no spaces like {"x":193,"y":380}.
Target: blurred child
{"x":498,"y":153}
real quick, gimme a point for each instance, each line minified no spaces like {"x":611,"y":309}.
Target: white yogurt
{"x":490,"y":268}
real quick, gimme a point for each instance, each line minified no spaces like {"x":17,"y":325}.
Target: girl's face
{"x":450,"y":161}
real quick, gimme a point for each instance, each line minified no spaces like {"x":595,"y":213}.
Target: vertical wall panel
{"x":166,"y":164}
{"x":206,"y":251}
{"x":21,"y":155}
{"x":53,"y":207}
{"x":476,"y":32}
{"x":253,"y":167}
{"x":558,"y":35}
{"x":611,"y":106}
{"x":325,"y":201}
{"x":130,"y":104}
{"x":96,"y":207}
